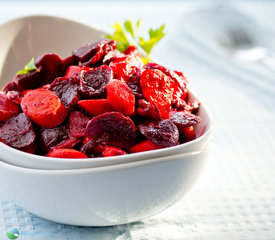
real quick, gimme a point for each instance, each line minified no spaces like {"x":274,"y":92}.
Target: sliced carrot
{"x":144,"y":146}
{"x":95,"y":106}
{"x":113,"y":151}
{"x":44,"y":108}
{"x":121,"y":97}
{"x":7,"y":108}
{"x":65,"y":153}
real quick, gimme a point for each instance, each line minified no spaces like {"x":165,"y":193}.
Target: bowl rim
{"x":19,"y":153}
{"x":109,"y":168}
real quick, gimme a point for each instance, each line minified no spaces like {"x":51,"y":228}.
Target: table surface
{"x":235,"y":196}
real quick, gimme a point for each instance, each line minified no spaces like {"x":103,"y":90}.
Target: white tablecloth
{"x":235,"y":196}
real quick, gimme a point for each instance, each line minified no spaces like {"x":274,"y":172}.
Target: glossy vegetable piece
{"x":121,"y":97}
{"x":113,"y":151}
{"x":65,"y":153}
{"x":163,"y":132}
{"x":51,"y":137}
{"x":92,"y":53}
{"x":157,"y":88}
{"x":76,"y":71}
{"x":17,"y":132}
{"x":93,"y":82}
{"x":144,"y":146}
{"x":8,"y":108}
{"x":44,"y":108}
{"x":112,"y":129}
{"x":95,"y":106}
{"x":183,"y":119}
{"x":77,"y":124}
{"x":67,"y":90}
{"x":49,"y":66}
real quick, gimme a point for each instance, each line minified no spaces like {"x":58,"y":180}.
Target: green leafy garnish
{"x":30,"y":66}
{"x":128,"y":34}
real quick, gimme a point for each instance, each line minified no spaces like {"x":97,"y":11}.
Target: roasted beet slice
{"x":68,"y":143}
{"x":121,"y":97}
{"x":112,"y":129}
{"x":7,"y":108}
{"x":11,"y":86}
{"x":163,"y":132}
{"x":69,"y":61}
{"x":49,"y":66}
{"x":91,"y":53}
{"x":50,"y":137}
{"x":88,"y":147}
{"x":77,"y":124}
{"x":94,"y":81}
{"x":183,"y":119}
{"x":17,"y":132}
{"x":67,"y":90}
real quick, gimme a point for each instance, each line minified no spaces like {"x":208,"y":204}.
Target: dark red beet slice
{"x":92,"y":53}
{"x":50,"y":137}
{"x":69,"y":143}
{"x":183,"y":119}
{"x":49,"y":66}
{"x":112,"y":129}
{"x":7,"y":108}
{"x":71,"y":60}
{"x":67,"y":90}
{"x":11,"y":86}
{"x":17,"y":132}
{"x":77,"y":124}
{"x":31,"y":80}
{"x":163,"y":132}
{"x":94,"y":81}
{"x":88,"y":147}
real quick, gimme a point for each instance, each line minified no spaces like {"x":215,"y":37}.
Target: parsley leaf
{"x":128,"y":34}
{"x":30,"y":66}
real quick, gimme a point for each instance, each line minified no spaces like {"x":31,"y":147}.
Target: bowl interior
{"x":29,"y":37}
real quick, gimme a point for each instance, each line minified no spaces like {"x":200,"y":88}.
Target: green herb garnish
{"x":128,"y":34}
{"x":30,"y":66}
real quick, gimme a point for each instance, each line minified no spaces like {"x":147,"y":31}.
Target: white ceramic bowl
{"x":103,"y":196}
{"x":27,"y":37}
